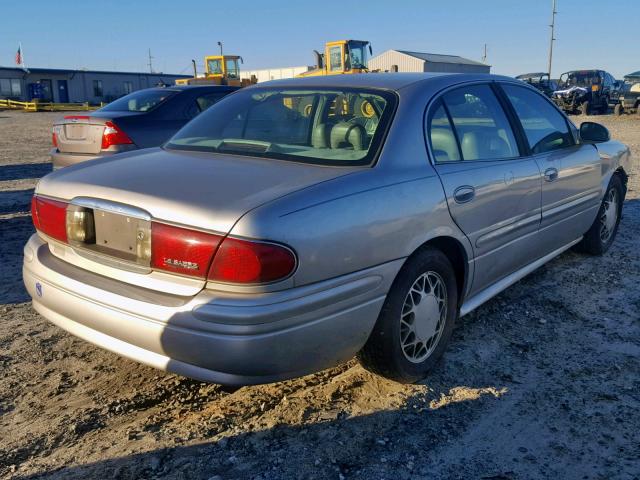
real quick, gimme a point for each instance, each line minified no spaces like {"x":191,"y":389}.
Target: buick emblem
{"x":39,"y":289}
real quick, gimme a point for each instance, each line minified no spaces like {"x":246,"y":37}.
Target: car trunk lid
{"x":82,"y":134}
{"x":201,"y":191}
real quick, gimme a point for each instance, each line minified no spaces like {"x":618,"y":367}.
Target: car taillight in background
{"x":113,"y":135}
{"x":174,"y":249}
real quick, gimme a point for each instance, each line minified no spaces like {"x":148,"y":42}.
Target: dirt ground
{"x":541,"y":382}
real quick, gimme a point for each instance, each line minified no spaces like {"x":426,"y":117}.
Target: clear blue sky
{"x":111,"y":34}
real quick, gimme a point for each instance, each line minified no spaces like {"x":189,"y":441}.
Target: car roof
{"x":388,"y":81}
{"x":181,"y":88}
{"x":530,"y":75}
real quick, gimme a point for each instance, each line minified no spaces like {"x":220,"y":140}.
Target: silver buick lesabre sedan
{"x":298,"y":223}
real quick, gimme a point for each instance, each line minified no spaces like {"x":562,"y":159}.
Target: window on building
{"x":128,"y":87}
{"x":97,"y":88}
{"x":5,"y":87}
{"x":10,"y":87}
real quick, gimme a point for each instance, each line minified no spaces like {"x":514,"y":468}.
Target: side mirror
{"x":591,"y":132}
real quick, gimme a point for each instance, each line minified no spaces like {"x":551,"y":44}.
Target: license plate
{"x":75,"y":132}
{"x":117,"y":234}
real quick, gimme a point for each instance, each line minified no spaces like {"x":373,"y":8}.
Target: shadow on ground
{"x":24,"y":170}
{"x":15,"y":201}
{"x":14,"y":233}
{"x":355,"y":447}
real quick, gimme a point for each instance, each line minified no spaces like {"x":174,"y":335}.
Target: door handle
{"x":550,"y":174}
{"x":464,"y":194}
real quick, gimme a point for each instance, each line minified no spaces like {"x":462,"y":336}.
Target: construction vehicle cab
{"x":341,"y":57}
{"x":219,"y":70}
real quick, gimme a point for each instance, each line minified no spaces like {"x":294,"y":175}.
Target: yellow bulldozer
{"x":341,"y":57}
{"x":219,"y":70}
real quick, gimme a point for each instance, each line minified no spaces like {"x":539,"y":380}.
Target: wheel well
{"x":623,"y":176}
{"x":456,"y":254}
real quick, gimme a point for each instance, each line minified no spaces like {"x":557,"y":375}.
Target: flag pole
{"x":24,"y":67}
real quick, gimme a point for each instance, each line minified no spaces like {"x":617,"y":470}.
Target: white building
{"x":405,"y":61}
{"x":266,"y":74}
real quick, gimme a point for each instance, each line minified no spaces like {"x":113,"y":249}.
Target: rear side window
{"x":480,"y":123}
{"x":140,"y":101}
{"x":544,"y":127}
{"x":444,"y":145}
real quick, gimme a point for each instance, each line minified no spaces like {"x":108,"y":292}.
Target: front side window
{"x":480,"y":123}
{"x":140,"y":101}
{"x":97,"y":88}
{"x":335,"y":58}
{"x":323,"y":126}
{"x":544,"y":127}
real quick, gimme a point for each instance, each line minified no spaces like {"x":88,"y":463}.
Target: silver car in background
{"x":298,"y":223}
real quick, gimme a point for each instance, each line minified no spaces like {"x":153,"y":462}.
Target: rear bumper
{"x":214,"y":337}
{"x":60,"y":159}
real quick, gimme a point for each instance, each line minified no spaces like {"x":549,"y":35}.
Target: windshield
{"x":358,"y":55}
{"x":324,"y":126}
{"x":140,"y":101}
{"x":579,"y":79}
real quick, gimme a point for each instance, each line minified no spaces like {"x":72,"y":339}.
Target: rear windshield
{"x":325,"y":126}
{"x":140,"y":101}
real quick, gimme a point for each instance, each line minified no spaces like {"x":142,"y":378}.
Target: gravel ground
{"x":541,"y":382}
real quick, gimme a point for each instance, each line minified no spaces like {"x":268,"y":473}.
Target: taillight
{"x":54,"y":139}
{"x":113,"y":135}
{"x":49,"y":216}
{"x":243,"y":261}
{"x":180,"y":250}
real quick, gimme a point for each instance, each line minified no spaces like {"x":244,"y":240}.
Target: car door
{"x":492,"y":191}
{"x":571,"y":190}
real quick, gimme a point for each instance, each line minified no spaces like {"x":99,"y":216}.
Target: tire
{"x":638,"y":110}
{"x":585,"y":108}
{"x":617,"y":110}
{"x":603,"y":231}
{"x":388,"y":351}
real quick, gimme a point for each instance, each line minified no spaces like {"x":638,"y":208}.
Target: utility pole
{"x":220,"y":45}
{"x":150,"y":63}
{"x":484,"y":55}
{"x":553,"y":27}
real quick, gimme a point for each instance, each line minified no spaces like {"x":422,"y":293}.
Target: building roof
{"x":64,"y":71}
{"x":438,"y":58}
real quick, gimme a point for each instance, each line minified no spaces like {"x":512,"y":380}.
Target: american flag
{"x":19,"y":56}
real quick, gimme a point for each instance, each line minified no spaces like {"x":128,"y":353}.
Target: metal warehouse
{"x":62,"y":86}
{"x":405,"y":61}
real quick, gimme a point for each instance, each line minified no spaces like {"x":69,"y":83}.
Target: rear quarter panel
{"x":354,"y":222}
